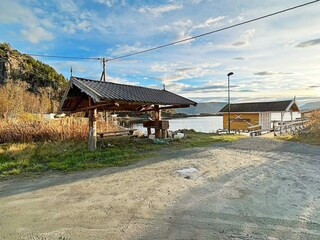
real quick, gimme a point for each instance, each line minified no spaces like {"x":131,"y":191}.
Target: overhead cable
{"x":182,"y":40}
{"x":214,"y":31}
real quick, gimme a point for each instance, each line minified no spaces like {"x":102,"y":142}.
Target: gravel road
{"x":253,"y":188}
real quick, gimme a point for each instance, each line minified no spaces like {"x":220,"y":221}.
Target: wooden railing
{"x":288,"y":127}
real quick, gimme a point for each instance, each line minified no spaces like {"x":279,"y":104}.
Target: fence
{"x":288,"y":127}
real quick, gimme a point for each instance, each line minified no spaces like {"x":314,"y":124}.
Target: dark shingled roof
{"x":279,"y":106}
{"x":129,"y":97}
{"x":123,"y":92}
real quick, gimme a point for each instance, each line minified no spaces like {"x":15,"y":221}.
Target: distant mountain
{"x":207,"y":107}
{"x":311,"y":105}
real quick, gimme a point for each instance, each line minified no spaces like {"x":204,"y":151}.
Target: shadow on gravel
{"x":279,"y":199}
{"x":28,"y":184}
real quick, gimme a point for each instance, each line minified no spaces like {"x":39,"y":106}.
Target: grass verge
{"x":307,"y":139}
{"x":45,"y":157}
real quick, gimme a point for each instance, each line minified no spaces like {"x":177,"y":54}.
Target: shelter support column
{"x":281,"y":126}
{"x":92,"y":141}
{"x":157,"y":116}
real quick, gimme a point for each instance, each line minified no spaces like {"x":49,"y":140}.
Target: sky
{"x":272,"y":59}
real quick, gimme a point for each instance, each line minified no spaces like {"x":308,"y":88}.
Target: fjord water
{"x":206,"y":124}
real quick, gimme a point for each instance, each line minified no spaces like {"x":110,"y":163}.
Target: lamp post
{"x":229,"y":74}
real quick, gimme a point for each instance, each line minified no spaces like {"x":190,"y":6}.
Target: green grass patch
{"x":35,"y":158}
{"x":312,"y":139}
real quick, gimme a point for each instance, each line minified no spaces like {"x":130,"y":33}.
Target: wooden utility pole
{"x":92,"y":142}
{"x":103,"y":75}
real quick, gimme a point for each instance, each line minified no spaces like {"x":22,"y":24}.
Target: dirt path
{"x":254,"y":188}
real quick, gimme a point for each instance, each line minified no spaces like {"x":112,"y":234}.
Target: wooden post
{"x":92,"y":142}
{"x":281,"y":126}
{"x":164,"y":133}
{"x":292,"y":126}
{"x":157,"y":118}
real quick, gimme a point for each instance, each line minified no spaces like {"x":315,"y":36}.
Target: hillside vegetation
{"x":37,"y":75}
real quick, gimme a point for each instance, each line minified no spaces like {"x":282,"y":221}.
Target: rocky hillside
{"x":22,"y":67}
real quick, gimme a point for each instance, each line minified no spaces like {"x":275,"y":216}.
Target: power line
{"x":180,"y":41}
{"x":214,"y":31}
{"x":65,"y":57}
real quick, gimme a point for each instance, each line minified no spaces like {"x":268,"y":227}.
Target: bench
{"x":117,"y":133}
{"x":255,"y":133}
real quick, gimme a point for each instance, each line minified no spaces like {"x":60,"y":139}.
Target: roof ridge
{"x":86,"y":79}
{"x":261,"y":102}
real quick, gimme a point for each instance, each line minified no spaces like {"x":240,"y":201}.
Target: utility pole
{"x":229,"y":74}
{"x":103,"y":75}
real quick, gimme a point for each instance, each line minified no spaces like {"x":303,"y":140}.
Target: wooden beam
{"x":142,"y":108}
{"x":97,"y":106}
{"x":174,"y":106}
{"x":163,"y":108}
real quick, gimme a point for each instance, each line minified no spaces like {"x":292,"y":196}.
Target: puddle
{"x":187,"y":171}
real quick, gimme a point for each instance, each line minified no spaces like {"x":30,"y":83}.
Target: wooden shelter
{"x":90,"y":95}
{"x":246,"y":116}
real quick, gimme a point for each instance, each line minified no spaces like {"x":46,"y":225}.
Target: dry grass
{"x":311,"y":135}
{"x":314,"y":124}
{"x":22,"y":130}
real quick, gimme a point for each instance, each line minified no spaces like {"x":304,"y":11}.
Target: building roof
{"x":114,"y":92}
{"x":254,"y":107}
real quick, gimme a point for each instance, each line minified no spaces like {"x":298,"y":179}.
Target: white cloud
{"x":237,"y":19}
{"x":245,"y":38}
{"x":181,"y":35}
{"x":68,"y":6}
{"x":36,"y":34}
{"x":73,"y":26}
{"x":196,"y":2}
{"x":184,"y":28}
{"x":210,"y":22}
{"x":111,"y":3}
{"x":158,"y":10}
{"x":33,"y":28}
{"x":12,"y":12}
{"x":83,"y":21}
{"x":159,"y":68}
{"x":126,"y":49}
{"x":175,"y":72}
{"x":122,"y":81}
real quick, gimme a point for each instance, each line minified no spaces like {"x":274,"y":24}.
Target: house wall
{"x":240,"y":121}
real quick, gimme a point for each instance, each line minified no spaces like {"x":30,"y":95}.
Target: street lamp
{"x":229,"y":74}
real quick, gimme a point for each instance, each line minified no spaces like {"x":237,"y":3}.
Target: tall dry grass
{"x":314,"y":124}
{"x":71,"y":128}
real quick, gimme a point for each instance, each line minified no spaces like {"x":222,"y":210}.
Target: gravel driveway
{"x":253,"y":188}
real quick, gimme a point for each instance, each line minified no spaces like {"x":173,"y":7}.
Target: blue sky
{"x":272,"y":59}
